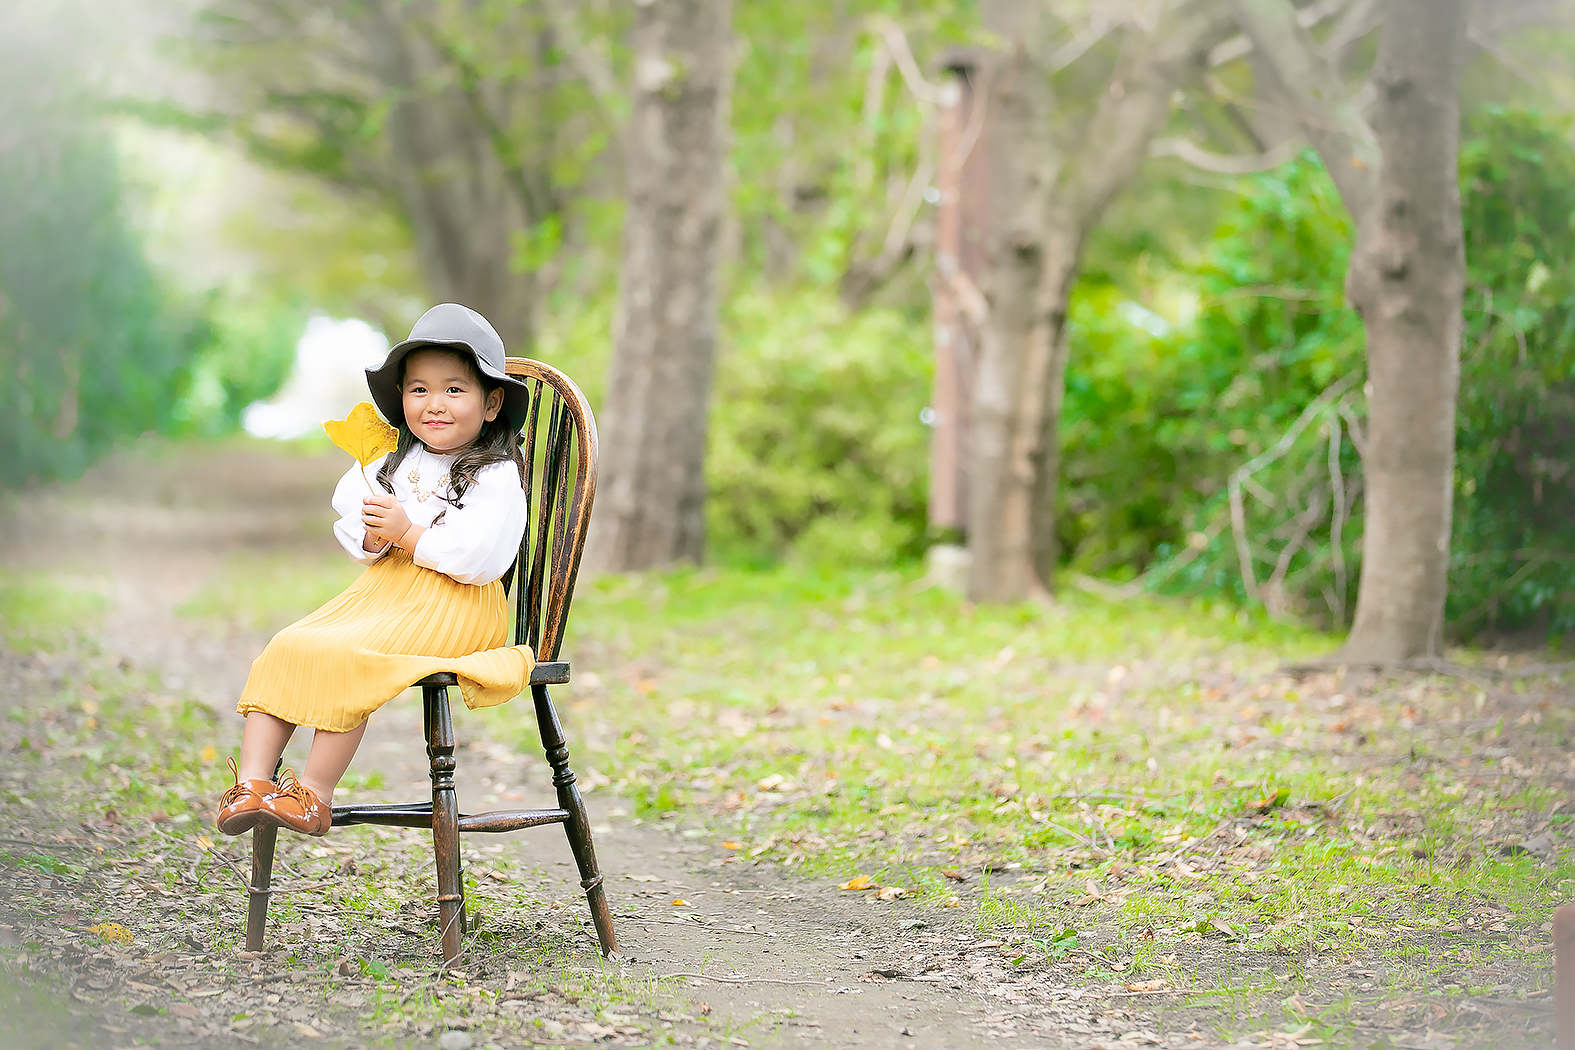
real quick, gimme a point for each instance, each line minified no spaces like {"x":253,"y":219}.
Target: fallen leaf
{"x":679,"y":902}
{"x":731,"y":845}
{"x":1154,"y":985}
{"x":111,"y":933}
{"x":1270,"y":800}
{"x":858,"y":882}
{"x":362,"y":433}
{"x":890,"y":893}
{"x":204,"y":841}
{"x":209,"y":755}
{"x":954,"y":875}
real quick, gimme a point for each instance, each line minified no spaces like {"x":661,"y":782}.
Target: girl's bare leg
{"x":329,"y":758}
{"x":262,"y":742}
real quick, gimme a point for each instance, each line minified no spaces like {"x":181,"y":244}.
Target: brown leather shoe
{"x":297,"y":807}
{"x":241,"y":805}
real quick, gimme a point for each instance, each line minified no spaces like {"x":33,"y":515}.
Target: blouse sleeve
{"x":476,"y":543}
{"x":348,"y":494}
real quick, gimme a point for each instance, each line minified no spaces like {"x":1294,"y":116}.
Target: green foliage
{"x":1162,"y":411}
{"x":823,"y":161}
{"x":816,"y":446}
{"x":247,"y":358}
{"x":1515,"y":450}
{"x":90,"y":349}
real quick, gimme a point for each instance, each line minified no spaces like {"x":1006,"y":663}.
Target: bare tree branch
{"x":592,"y":67}
{"x":1134,"y":110}
{"x":1322,"y":104}
{"x":1358,"y":20}
{"x":902,"y":54}
{"x":1240,"y":45}
{"x":1221,"y":164}
{"x":1100,"y":25}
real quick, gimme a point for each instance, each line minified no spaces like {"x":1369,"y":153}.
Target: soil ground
{"x":761,"y":957}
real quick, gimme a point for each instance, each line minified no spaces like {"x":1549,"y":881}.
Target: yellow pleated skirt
{"x":396,"y":624}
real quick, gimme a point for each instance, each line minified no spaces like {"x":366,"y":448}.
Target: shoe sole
{"x":271,"y":819}
{"x":241,"y":823}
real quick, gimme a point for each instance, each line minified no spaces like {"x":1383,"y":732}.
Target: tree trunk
{"x":1407,"y":279}
{"x":1013,"y":350}
{"x":1043,"y":204}
{"x":651,"y":503}
{"x":453,"y":188}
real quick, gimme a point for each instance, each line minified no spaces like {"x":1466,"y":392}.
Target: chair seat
{"x":551,"y":672}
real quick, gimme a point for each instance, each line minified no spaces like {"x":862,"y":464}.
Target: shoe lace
{"x":236,"y":790}
{"x":289,"y":785}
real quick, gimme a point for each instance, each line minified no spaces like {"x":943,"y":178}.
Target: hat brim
{"x":383,"y":381}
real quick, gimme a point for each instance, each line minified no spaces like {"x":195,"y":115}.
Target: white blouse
{"x":475,"y":543}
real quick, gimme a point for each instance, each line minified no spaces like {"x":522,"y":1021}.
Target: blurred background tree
{"x":1208,"y":347}
{"x":92,"y":348}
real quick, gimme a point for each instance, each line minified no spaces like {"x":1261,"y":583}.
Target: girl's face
{"x":445,"y":403}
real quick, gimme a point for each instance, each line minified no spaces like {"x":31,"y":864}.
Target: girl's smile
{"x":445,"y":403}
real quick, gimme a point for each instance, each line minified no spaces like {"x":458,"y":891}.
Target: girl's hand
{"x":384,"y":518}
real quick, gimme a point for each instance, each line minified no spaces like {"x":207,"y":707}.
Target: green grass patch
{"x":1143,"y":768}
{"x":264,"y":592}
{"x":42,"y":612}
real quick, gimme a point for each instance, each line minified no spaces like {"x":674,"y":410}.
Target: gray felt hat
{"x":449,"y":326}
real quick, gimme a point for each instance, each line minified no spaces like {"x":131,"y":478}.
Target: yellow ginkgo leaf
{"x":111,"y":932}
{"x":858,"y":882}
{"x":363,"y":433}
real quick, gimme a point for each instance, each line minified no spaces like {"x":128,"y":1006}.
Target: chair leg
{"x":445,"y":820}
{"x":257,"y":893}
{"x":578,"y":826}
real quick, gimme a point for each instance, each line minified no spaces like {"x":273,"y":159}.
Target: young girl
{"x":436,"y":541}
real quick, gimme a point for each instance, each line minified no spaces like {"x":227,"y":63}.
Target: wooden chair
{"x":560,"y":483}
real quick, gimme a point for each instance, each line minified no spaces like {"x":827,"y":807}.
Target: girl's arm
{"x":477,"y":543}
{"x":349,"y":530}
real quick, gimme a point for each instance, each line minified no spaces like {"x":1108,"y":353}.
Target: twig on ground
{"x":741,"y":980}
{"x":698,"y":926}
{"x":245,"y":882}
{"x":1085,"y":840}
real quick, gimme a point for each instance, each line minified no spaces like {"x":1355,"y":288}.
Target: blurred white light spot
{"x":928,"y":416}
{"x":933,"y":195}
{"x":329,"y":379}
{"x":1142,"y":317}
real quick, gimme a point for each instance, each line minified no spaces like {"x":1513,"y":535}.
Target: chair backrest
{"x":560,"y":484}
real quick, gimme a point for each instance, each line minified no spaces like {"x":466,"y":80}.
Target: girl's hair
{"x":498,"y":442}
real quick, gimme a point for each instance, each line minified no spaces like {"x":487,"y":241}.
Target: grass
{"x":264,"y":592}
{"x":1144,"y":768}
{"x":1118,"y":791}
{"x":43,"y":612}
